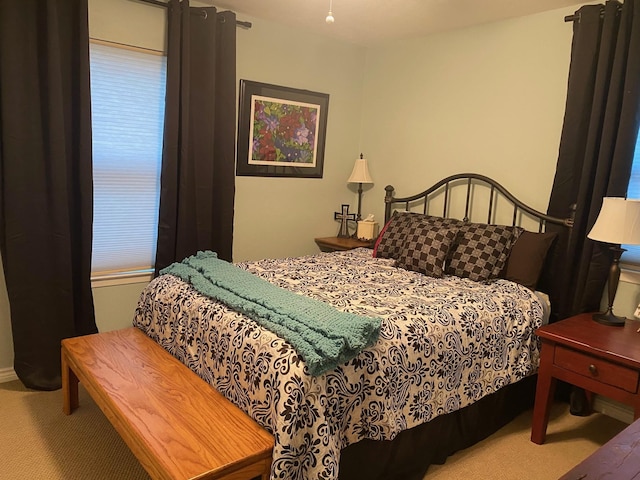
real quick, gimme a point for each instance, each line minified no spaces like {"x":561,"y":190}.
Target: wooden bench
{"x":177,"y":425}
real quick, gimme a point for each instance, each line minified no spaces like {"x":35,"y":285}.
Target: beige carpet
{"x":37,"y":441}
{"x":508,"y":454}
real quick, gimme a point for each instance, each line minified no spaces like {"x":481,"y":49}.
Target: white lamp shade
{"x":618,"y":222}
{"x":360,"y":172}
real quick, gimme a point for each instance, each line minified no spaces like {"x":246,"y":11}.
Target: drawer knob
{"x":593,"y":369}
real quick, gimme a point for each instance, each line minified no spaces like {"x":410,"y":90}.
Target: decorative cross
{"x":344,"y":218}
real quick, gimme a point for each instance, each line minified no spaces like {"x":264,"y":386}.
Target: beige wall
{"x":279,"y":217}
{"x":487,"y":99}
{"x":127,"y":22}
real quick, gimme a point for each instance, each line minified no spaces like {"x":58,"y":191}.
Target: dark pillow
{"x":527,"y":258}
{"x":481,"y":251}
{"x":391,"y":240}
{"x":426,"y":247}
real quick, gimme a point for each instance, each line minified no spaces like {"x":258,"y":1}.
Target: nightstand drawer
{"x":597,"y":368}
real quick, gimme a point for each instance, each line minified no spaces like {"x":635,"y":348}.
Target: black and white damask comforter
{"x":444,"y":344}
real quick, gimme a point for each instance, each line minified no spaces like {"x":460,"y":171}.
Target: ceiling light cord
{"x":330,"y":18}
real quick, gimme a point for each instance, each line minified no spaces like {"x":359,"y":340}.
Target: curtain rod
{"x":158,"y":3}
{"x":576,"y":16}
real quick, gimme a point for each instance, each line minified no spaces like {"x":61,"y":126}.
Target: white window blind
{"x":632,"y":255}
{"x":127,"y":102}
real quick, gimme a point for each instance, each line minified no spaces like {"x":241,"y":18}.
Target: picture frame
{"x":281,"y":131}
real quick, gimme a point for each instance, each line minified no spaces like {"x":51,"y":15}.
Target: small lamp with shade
{"x":360,"y":175}
{"x":618,"y":223}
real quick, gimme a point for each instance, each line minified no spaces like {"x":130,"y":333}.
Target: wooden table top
{"x":620,"y":344}
{"x":617,"y":459}
{"x":344,"y":243}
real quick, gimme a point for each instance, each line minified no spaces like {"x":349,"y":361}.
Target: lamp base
{"x":608,"y":318}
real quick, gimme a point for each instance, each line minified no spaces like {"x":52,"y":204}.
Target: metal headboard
{"x":470,"y":181}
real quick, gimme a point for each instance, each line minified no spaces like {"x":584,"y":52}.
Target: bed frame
{"x":472,"y":186}
{"x":468,"y":197}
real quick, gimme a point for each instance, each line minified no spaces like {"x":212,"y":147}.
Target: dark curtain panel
{"x":198,"y":164}
{"x":46,"y":192}
{"x":597,"y":145}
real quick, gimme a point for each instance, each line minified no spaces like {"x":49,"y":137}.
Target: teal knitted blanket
{"x":323,"y":336}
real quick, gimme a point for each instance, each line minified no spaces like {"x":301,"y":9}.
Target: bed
{"x":454,"y":359}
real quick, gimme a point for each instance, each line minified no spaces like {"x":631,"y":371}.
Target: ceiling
{"x":371,"y":22}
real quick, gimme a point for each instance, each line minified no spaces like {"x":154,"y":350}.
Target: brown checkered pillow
{"x":426,"y":247}
{"x":481,"y":251}
{"x":393,"y":237}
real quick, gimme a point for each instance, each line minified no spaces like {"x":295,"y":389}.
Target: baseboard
{"x":614,"y":409}
{"x":7,"y":375}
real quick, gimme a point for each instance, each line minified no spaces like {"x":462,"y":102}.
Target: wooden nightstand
{"x":599,"y":358}
{"x":332,"y":244}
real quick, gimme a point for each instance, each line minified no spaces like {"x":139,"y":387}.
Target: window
{"x":127,"y":102}
{"x":632,"y":255}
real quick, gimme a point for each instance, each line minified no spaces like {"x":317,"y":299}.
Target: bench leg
{"x":69,"y":387}
{"x":266,"y":471}
{"x":266,"y":474}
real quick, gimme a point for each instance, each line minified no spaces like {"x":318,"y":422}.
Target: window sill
{"x":121,"y":278}
{"x":629,"y":275}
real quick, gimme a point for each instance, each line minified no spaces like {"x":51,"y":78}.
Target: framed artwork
{"x":281,"y":131}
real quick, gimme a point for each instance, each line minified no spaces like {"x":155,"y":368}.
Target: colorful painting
{"x":281,"y":131}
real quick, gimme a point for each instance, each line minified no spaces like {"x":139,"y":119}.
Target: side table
{"x":333,"y":244}
{"x":599,"y":358}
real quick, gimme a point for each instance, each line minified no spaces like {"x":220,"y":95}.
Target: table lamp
{"x":618,"y":223}
{"x":360,"y":175}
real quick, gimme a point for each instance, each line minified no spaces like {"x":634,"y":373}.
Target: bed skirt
{"x":409,"y":455}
